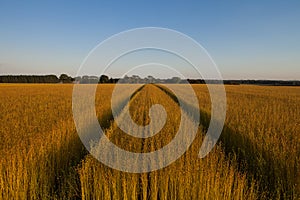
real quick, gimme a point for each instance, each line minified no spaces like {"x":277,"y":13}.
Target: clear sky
{"x":255,"y":40}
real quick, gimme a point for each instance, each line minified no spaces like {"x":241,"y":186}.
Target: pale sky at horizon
{"x":247,"y":40}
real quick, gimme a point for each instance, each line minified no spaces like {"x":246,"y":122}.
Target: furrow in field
{"x":213,"y":177}
{"x":271,"y":172}
{"x":43,"y":164}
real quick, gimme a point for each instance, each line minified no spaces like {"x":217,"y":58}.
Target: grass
{"x":258,"y":155}
{"x":40,"y":147}
{"x":262,"y":128}
{"x":214,"y":177}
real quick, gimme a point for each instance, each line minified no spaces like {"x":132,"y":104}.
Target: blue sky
{"x":255,"y":39}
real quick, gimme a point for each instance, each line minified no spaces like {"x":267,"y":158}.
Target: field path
{"x":189,"y":177}
{"x":271,"y":173}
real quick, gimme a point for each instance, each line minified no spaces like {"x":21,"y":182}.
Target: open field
{"x":257,"y":156}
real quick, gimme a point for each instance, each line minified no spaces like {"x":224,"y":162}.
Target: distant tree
{"x":84,"y":79}
{"x":77,"y":79}
{"x":125,"y":79}
{"x":29,"y":79}
{"x":64,"y":78}
{"x":104,"y":79}
{"x":176,"y":80}
{"x":113,"y":80}
{"x":135,"y":79}
{"x":51,"y":79}
{"x":173,"y":80}
{"x":150,"y":79}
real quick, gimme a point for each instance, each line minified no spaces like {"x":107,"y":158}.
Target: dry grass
{"x":262,"y":128}
{"x":39,"y":145}
{"x":214,"y":177}
{"x":43,"y":158}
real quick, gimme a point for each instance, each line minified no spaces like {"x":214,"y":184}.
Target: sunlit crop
{"x":42,"y":157}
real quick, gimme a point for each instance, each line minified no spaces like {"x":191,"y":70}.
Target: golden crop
{"x":39,"y":145}
{"x":262,"y":127}
{"x":42,"y":157}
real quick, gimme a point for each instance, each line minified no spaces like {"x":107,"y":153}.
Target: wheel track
{"x":248,"y":161}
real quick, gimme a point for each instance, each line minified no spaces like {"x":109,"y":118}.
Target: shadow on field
{"x":66,"y":180}
{"x":274,"y":181}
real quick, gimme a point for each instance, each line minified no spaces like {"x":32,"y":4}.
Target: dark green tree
{"x":64,"y":78}
{"x":104,"y":79}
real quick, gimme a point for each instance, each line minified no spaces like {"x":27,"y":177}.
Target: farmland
{"x":257,"y":156}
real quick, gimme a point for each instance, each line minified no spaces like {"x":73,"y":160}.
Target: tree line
{"x":64,"y":78}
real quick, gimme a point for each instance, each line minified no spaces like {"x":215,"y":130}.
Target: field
{"x":256,"y":157}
